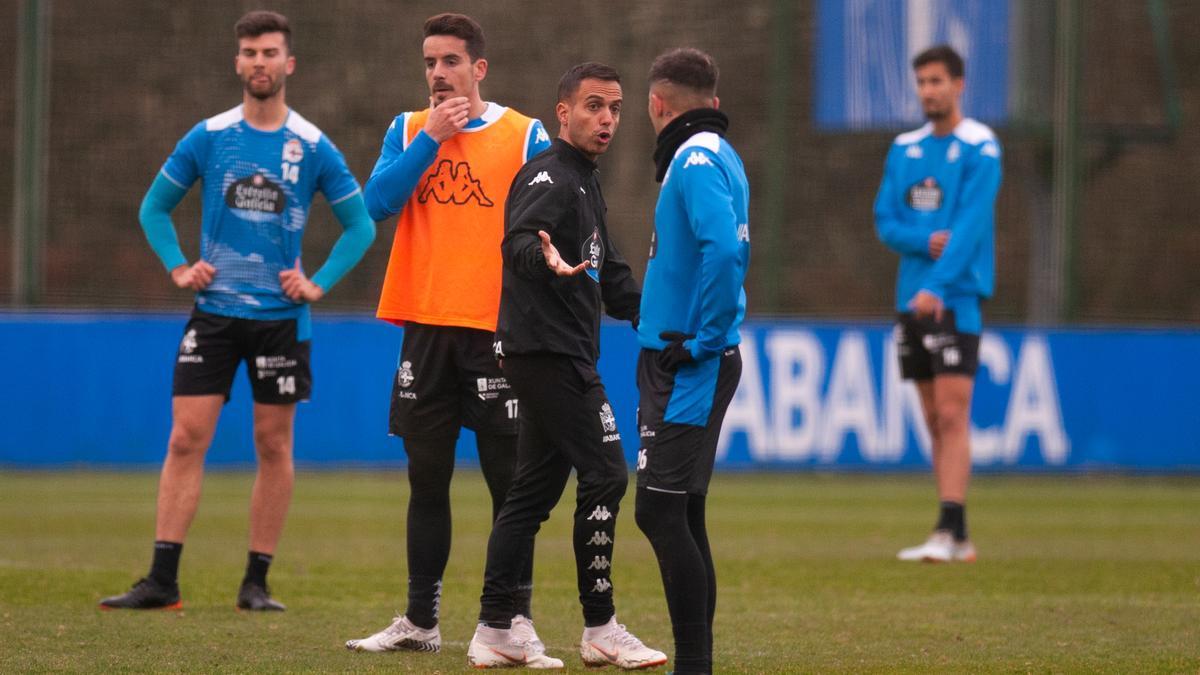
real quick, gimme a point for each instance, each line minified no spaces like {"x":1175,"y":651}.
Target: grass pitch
{"x":1075,"y":574}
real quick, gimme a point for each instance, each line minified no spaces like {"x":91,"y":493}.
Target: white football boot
{"x":522,"y":629}
{"x":401,"y":635}
{"x":939,"y":547}
{"x":499,"y":648}
{"x":612,"y":645}
{"x":964,"y":551}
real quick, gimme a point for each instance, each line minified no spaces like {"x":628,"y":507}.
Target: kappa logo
{"x":607,"y":419}
{"x":600,"y":538}
{"x":404,"y":376}
{"x":602,"y":586}
{"x":600,"y":513}
{"x":599,"y":562}
{"x":743,"y":232}
{"x":914,"y":152}
{"x":453,"y":184}
{"x":990,"y":149}
{"x":188,"y":345}
{"x":697,"y":158}
{"x":542,"y":177}
{"x":542,"y":136}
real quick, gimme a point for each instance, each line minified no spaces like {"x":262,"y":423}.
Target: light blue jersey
{"x":258,"y":187}
{"x":933,"y":183}
{"x":699,"y":255}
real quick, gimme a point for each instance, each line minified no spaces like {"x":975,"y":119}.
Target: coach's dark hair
{"x":686,"y":67}
{"x":261,"y":22}
{"x":590,"y":70}
{"x":941,"y":54}
{"x":460,"y":26}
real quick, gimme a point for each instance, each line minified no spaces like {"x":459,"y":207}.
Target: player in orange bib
{"x":446,"y":171}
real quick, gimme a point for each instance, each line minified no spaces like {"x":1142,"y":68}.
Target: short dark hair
{"x":589,"y":70}
{"x":460,"y":26}
{"x":261,"y":22}
{"x":686,"y":67}
{"x":941,"y":54}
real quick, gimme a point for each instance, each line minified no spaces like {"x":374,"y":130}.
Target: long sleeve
{"x":541,"y":206}
{"x":358,"y":231}
{"x":709,"y":203}
{"x":972,"y":222}
{"x":155,"y":217}
{"x":397,"y":170}
{"x":620,"y":291}
{"x":889,"y":225}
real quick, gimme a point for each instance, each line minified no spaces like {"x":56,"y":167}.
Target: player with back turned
{"x":936,"y":208}
{"x":259,"y":165}
{"x":692,"y":306}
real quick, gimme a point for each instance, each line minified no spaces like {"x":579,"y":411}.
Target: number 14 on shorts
{"x":287,"y":384}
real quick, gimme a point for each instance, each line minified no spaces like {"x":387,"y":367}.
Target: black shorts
{"x":928,"y":348}
{"x":214,"y":345}
{"x":448,"y":378}
{"x":675,"y":457}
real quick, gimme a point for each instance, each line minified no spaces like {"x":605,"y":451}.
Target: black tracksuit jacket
{"x":541,"y":312}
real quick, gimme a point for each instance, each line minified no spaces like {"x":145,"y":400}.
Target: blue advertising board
{"x":862,"y":67}
{"x":94,"y":390}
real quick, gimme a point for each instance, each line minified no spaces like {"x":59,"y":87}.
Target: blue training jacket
{"x":699,"y":254}
{"x":933,"y":183}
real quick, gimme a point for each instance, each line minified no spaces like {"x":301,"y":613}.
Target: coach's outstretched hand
{"x":555,"y":262}
{"x":196,"y":277}
{"x":675,"y":353}
{"x":297,"y":286}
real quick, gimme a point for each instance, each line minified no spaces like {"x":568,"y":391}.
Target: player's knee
{"x":646,"y":517}
{"x":608,"y":484}
{"x":951,"y":417}
{"x":187,"y":441}
{"x":273,"y":447}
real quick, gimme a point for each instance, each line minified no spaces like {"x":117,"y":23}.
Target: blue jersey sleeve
{"x":334,"y":180}
{"x":972,"y":222}
{"x":889,"y":224}
{"x":358,"y":231}
{"x":708,"y":199}
{"x":155,"y":216}
{"x":397,"y":170}
{"x":539,"y":140}
{"x":186,"y":164}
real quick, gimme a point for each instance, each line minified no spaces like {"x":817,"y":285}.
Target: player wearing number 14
{"x":260,"y":164}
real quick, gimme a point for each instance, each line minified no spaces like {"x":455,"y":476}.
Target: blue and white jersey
{"x":257,"y":187}
{"x":933,"y":183}
{"x":700,"y":249}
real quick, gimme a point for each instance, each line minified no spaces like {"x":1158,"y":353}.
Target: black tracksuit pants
{"x":565,"y":422}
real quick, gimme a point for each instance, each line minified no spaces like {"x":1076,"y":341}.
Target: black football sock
{"x":257,"y":565}
{"x":699,"y":530}
{"x":953,"y":517}
{"x":165,"y":568}
{"x":430,"y":467}
{"x":663,"y":518}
